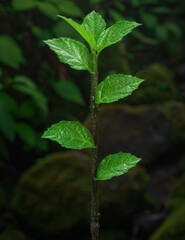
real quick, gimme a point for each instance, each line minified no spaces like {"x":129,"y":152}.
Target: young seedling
{"x":74,"y":135}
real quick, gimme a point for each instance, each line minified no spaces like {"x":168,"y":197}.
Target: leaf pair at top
{"x":93,"y":30}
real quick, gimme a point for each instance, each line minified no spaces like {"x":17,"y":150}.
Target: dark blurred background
{"x":45,"y":190}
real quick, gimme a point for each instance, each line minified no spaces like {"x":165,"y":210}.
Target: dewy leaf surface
{"x":94,"y":24}
{"x":71,"y":52}
{"x":116,"y":165}
{"x":70,"y":134}
{"x":115,"y":33}
{"x":115,"y":87}
{"x":81,"y":30}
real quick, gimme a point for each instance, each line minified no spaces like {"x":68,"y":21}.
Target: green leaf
{"x":115,"y":87}
{"x":71,"y":52}
{"x":95,"y":1}
{"x":23,"y":5}
{"x":81,"y":30}
{"x":28,"y":87}
{"x":26,"y":133}
{"x":149,"y":19}
{"x":48,"y":9}
{"x":69,"y":91}
{"x":70,"y":8}
{"x":116,"y":165}
{"x":7,"y":124}
{"x":115,"y":33}
{"x":94,"y":24}
{"x":7,"y":102}
{"x":10,"y":52}
{"x":70,"y":134}
{"x":115,"y":15}
{"x":26,"y":109}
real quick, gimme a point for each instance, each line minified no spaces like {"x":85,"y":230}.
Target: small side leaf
{"x":71,"y":52}
{"x":94,"y":24}
{"x":115,"y":87}
{"x":81,"y":30}
{"x":70,"y":134}
{"x":115,"y":33}
{"x":116,"y":165}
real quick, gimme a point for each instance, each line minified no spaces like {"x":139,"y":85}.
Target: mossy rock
{"x":174,"y":112}
{"x":11,"y":233}
{"x":177,"y":195}
{"x":119,"y":195}
{"x":54,"y":194}
{"x":173,"y":227}
{"x":159,"y":86}
{"x":146,"y":131}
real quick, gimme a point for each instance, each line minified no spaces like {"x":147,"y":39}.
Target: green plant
{"x":74,"y":135}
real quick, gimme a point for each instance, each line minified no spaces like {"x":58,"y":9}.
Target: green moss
{"x":175,"y":114}
{"x":54,"y":194}
{"x":158,"y":86}
{"x":119,"y":195}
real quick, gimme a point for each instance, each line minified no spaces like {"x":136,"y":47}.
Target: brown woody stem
{"x":94,"y":152}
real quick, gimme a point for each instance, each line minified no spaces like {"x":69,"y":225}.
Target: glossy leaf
{"x":69,"y":91}
{"x":70,"y":134}
{"x":115,"y":33}
{"x":81,"y":30}
{"x":116,"y":165}
{"x":10,"y":52}
{"x":115,"y":87}
{"x":94,"y":24}
{"x":71,"y":52}
{"x":91,"y":28}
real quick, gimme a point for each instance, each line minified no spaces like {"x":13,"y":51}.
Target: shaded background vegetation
{"x":44,"y":190}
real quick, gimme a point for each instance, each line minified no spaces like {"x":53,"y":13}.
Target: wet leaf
{"x":94,"y":24}
{"x":70,"y":134}
{"x":71,"y":52}
{"x":116,"y":165}
{"x":115,"y":87}
{"x":81,"y":30}
{"x":115,"y":33}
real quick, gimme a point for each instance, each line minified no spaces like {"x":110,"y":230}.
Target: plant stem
{"x":94,"y":153}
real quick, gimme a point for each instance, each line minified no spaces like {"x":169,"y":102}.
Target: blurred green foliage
{"x":35,"y":88}
{"x":27,"y":71}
